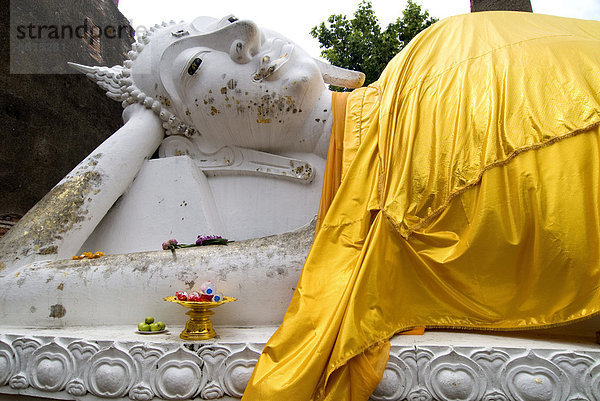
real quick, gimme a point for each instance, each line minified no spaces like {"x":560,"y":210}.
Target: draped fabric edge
{"x":382,"y":339}
{"x":386,"y":338}
{"x":334,"y":173}
{"x":406,"y":233}
{"x":333,"y":164}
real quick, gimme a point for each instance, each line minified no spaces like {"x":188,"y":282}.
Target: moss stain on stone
{"x":57,"y":311}
{"x":53,"y":216}
{"x":49,"y":250}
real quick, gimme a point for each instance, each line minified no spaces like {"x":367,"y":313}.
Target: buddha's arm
{"x":57,"y":226}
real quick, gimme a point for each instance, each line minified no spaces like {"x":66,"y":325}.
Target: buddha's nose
{"x":246,"y":42}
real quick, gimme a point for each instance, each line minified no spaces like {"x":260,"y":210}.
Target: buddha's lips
{"x":272,"y":60}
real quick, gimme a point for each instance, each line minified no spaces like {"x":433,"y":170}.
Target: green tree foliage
{"x":360,"y":43}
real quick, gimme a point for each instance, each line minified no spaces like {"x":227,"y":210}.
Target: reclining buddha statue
{"x":246,"y":107}
{"x":460,"y":191}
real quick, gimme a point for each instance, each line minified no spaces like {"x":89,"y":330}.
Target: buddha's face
{"x":235,"y":83}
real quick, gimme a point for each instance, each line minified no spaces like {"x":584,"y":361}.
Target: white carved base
{"x":116,"y":363}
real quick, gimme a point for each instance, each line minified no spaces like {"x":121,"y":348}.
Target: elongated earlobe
{"x":340,"y":76}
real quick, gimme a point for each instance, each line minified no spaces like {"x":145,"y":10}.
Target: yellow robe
{"x":470,"y":199}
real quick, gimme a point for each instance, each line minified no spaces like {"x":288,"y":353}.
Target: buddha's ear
{"x":340,"y":76}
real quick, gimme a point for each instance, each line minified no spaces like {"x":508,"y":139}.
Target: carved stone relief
{"x":56,"y":367}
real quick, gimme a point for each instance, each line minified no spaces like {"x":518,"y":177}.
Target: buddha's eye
{"x":232,"y":19}
{"x":194,"y":66}
{"x":180,"y":33}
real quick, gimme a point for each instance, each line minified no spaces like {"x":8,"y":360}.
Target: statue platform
{"x":114,"y":362}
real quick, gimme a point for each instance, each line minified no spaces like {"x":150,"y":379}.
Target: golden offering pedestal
{"x":199,"y":326}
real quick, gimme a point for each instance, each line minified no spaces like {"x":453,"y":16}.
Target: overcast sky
{"x":294,"y":19}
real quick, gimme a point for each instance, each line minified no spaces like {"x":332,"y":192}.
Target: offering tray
{"x":199,"y":326}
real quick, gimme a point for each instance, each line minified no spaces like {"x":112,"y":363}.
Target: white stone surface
{"x":169,"y":198}
{"x":120,"y":289}
{"x":172,"y":198}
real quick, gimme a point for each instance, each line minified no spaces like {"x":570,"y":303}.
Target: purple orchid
{"x":209,"y":239}
{"x":170,"y":244}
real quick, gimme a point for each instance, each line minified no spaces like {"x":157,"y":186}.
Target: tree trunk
{"x":501,"y":5}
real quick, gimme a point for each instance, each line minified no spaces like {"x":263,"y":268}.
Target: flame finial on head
{"x":107,"y":78}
